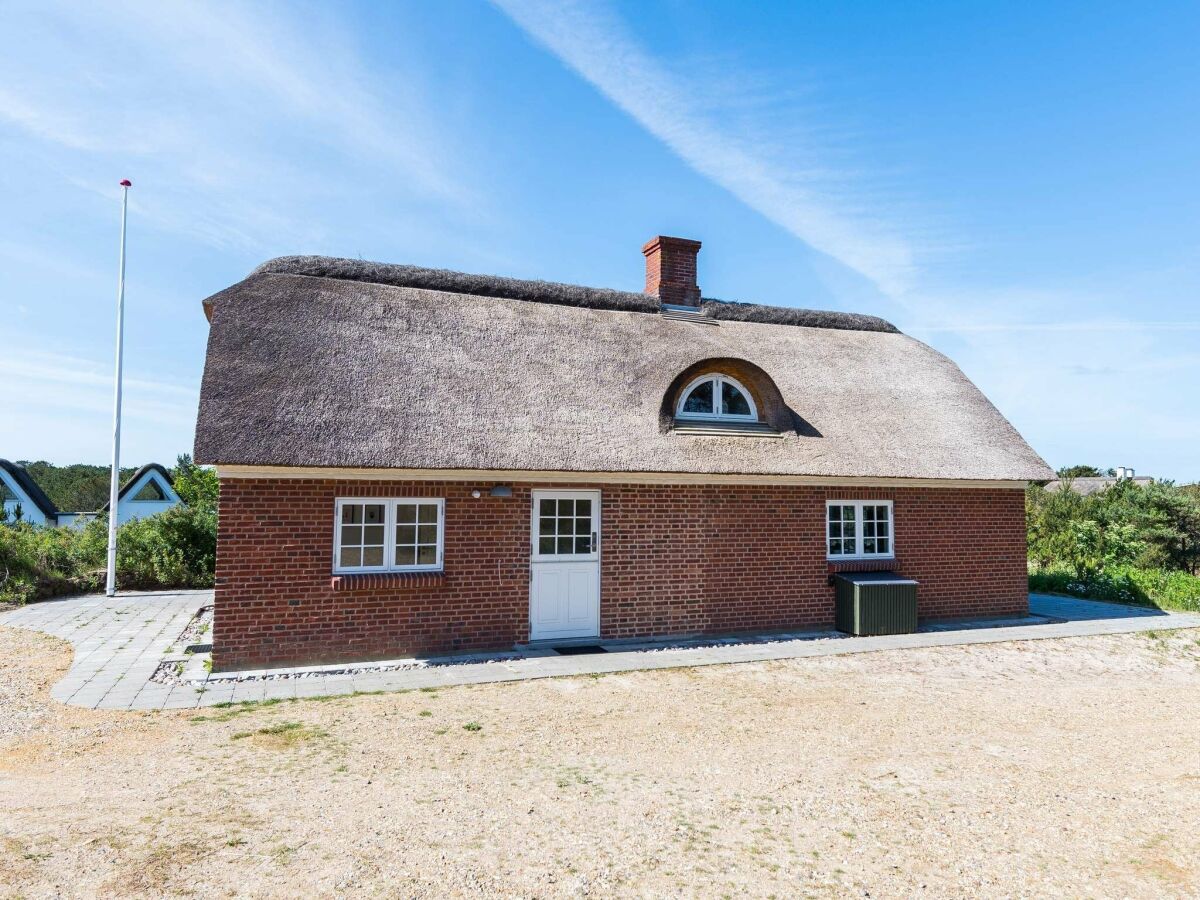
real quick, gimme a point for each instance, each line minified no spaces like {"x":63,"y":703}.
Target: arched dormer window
{"x":716,"y":397}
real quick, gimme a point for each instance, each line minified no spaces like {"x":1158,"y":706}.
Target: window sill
{"x":723,"y":428}
{"x":863,"y":564}
{"x":386,"y":581}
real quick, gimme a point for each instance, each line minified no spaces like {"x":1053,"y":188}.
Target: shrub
{"x":37,"y":562}
{"x":1124,"y":584}
{"x":175,"y":549}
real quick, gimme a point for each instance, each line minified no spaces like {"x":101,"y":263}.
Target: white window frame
{"x":718,"y":380}
{"x":858,"y":530}
{"x":389,"y":535}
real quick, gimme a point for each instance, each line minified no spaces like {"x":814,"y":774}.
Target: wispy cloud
{"x":794,"y":187}
{"x":59,"y":407}
{"x":238,"y":93}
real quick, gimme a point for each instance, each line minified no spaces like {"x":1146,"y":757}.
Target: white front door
{"x":565,"y":585}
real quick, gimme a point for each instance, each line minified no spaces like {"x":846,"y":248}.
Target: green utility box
{"x":875,"y":603}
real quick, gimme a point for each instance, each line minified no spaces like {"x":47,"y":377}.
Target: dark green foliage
{"x":74,"y":488}
{"x":1153,"y":526}
{"x":1129,"y":543}
{"x":174,"y":549}
{"x":1079,"y":472}
{"x":194,"y":484}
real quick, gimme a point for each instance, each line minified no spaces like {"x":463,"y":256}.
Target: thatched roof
{"x":1093,"y":484}
{"x":31,"y":488}
{"x":339,"y":363}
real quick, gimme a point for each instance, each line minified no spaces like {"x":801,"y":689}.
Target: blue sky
{"x":1016,"y":186}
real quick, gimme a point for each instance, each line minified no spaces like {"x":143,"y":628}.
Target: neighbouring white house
{"x":147,"y":492}
{"x":22,"y":494}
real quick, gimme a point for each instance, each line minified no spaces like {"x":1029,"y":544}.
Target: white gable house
{"x":22,"y":494}
{"x":148,"y":492}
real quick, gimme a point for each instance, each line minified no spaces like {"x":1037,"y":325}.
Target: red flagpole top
{"x":125,"y":182}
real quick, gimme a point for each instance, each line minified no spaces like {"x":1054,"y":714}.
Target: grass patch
{"x":281,"y":735}
{"x":1155,"y":588}
{"x":472,"y":726}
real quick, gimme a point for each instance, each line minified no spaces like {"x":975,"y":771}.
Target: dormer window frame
{"x":716,"y":414}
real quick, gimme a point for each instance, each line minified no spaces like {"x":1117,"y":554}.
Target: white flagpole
{"x":114,"y":485}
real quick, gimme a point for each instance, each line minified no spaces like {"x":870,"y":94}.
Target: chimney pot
{"x":671,"y":270}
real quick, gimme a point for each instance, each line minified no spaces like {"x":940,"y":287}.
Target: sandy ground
{"x":1038,"y":769}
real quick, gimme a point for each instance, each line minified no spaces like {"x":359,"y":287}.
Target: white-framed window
{"x":391,"y":534}
{"x":859,"y":529}
{"x":716,"y":397}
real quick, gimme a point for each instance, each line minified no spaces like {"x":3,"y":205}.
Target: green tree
{"x":195,"y":484}
{"x":1079,"y":472}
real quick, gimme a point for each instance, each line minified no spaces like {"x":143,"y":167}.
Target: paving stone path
{"x":121,"y":642}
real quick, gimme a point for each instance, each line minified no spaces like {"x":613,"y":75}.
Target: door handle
{"x":595,"y":546}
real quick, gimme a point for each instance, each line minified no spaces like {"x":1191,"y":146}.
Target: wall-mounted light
{"x":501,"y":490}
{"x":476,"y":494}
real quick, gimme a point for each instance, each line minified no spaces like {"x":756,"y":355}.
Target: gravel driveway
{"x":1064,"y":767}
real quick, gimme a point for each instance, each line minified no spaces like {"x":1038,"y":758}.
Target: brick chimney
{"x":671,"y":270}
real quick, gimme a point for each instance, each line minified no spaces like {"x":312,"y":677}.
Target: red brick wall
{"x":675,"y":560}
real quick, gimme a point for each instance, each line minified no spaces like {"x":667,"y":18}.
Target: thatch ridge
{"x":553,"y":292}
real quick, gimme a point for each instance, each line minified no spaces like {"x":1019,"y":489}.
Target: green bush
{"x":37,"y":562}
{"x":174,"y":549}
{"x":1153,"y":526}
{"x":1124,"y":584}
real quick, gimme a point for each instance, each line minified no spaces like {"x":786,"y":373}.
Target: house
{"x":147,"y":492}
{"x":415,"y":461}
{"x":1086,"y":485}
{"x":22,"y":494}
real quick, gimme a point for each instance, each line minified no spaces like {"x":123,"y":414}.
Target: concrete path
{"x":121,"y":643}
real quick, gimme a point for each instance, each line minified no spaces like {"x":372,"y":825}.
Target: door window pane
{"x":568,"y":530}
